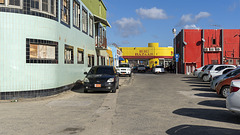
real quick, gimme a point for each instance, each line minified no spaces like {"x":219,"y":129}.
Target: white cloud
{"x":153,"y":13}
{"x":193,"y":26}
{"x":129,"y":27}
{"x":185,"y":19}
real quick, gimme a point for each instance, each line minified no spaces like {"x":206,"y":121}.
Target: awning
{"x":102,"y":20}
{"x":121,"y":58}
{"x":110,"y":53}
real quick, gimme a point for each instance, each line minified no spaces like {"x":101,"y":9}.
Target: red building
{"x":207,"y":46}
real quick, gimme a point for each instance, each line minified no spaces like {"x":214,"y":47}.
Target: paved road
{"x":149,"y":105}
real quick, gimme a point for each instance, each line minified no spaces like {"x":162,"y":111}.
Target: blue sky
{"x":135,"y":23}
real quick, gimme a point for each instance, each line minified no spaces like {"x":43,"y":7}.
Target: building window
{"x":90,"y":60}
{"x":2,"y":1}
{"x":35,"y":4}
{"x":91,"y":25}
{"x":41,"y":51}
{"x":103,"y":60}
{"x":97,"y":60}
{"x":214,"y":41}
{"x":80,"y":56}
{"x":65,"y":11}
{"x":100,"y":35}
{"x":68,"y":54}
{"x":76,"y":14}
{"x":84,"y":20}
{"x":48,"y":6}
{"x":14,"y":2}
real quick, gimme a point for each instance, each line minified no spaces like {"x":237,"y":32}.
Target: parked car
{"x":124,"y":69}
{"x":158,"y":69}
{"x":219,"y":71}
{"x":201,"y":73}
{"x":197,"y":71}
{"x":233,"y":99}
{"x":141,"y":68}
{"x":213,"y":69}
{"x":101,"y":78}
{"x":223,"y":87}
{"x":217,"y":79}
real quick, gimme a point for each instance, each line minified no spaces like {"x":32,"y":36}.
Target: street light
{"x":174,"y":43}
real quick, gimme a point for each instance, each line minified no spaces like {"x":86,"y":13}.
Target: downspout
{"x":222,"y":46}
{"x":203,"y":47}
{"x":183,"y":41}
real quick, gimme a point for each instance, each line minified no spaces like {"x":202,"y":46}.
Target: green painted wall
{"x":95,"y":6}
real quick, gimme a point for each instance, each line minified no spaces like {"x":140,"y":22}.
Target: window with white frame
{"x":14,"y":2}
{"x":76,"y":14}
{"x":84,"y":20}
{"x":2,"y":1}
{"x":80,"y":56}
{"x":91,"y":25}
{"x":65,"y":11}
{"x":68,"y":54}
{"x":47,"y":6}
{"x":100,"y":35}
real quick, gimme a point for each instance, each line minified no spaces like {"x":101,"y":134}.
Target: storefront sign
{"x":143,"y":53}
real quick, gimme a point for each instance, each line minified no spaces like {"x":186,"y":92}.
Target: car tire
{"x":85,"y":91}
{"x":114,"y":90}
{"x":205,"y":78}
{"x":130,"y":75}
{"x":225,"y":90}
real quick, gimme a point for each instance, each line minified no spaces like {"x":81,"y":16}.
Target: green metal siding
{"x":94,"y":6}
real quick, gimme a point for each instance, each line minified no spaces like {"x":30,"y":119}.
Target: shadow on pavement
{"x":214,"y":103}
{"x":211,"y":95}
{"x":199,"y":86}
{"x":209,"y":114}
{"x":203,"y":89}
{"x":201,"y":130}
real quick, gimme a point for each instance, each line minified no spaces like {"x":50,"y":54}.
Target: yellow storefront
{"x":152,"y":55}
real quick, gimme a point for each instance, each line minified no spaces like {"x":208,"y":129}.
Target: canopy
{"x":121,"y":58}
{"x":102,"y":20}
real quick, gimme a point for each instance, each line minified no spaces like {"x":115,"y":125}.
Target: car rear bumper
{"x":232,"y":102}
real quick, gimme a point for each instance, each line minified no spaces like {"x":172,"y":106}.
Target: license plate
{"x":97,"y":85}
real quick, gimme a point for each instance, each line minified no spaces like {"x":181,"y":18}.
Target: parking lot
{"x":145,"y":104}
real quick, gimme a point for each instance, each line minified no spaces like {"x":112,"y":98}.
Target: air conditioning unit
{"x":206,"y":49}
{"x":212,"y":49}
{"x":218,"y":49}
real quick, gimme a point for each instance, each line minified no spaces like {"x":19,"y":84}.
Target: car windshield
{"x":141,"y":66}
{"x":101,"y":70}
{"x":123,"y":65}
{"x":159,"y":66}
{"x":233,"y":73}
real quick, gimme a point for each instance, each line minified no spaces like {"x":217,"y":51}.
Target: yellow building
{"x":152,"y":55}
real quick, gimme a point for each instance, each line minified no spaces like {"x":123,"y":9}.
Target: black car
{"x":101,"y":78}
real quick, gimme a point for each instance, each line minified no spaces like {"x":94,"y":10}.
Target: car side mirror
{"x":85,"y":73}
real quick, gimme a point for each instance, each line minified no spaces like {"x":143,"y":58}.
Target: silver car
{"x":233,"y":99}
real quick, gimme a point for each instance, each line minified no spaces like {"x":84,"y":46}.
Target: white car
{"x":217,"y":79}
{"x":217,"y":72}
{"x":197,"y":71}
{"x":233,"y":99}
{"x":158,"y":69}
{"x":124,"y":69}
{"x":213,"y":69}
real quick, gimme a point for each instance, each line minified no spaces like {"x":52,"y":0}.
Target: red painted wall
{"x":192,"y":52}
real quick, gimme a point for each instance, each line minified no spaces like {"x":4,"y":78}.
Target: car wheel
{"x":130,"y":75}
{"x":225,"y":90}
{"x":114,"y":90}
{"x":85,"y":91}
{"x":205,"y":78}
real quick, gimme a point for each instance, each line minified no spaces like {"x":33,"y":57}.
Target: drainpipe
{"x":183,"y":42}
{"x":222,"y":45}
{"x":203,"y":41}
